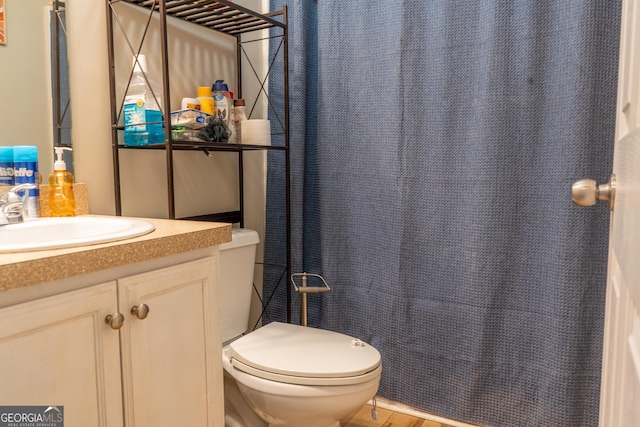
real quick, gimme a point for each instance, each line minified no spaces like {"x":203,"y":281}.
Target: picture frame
{"x":3,"y":23}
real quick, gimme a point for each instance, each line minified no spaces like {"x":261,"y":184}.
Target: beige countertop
{"x":170,"y":237}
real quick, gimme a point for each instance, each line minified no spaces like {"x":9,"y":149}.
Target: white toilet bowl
{"x":290,"y":375}
{"x":283,"y":374}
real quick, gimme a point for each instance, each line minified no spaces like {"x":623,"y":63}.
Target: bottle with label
{"x":221,"y":101}
{"x":190,"y":104}
{"x":6,"y":166}
{"x":62,"y":201}
{"x":239,"y":116}
{"x":143,"y":122}
{"x":240,"y":110}
{"x":233,"y":138}
{"x":25,"y":171}
{"x":205,"y":99}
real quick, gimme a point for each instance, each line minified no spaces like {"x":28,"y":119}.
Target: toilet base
{"x":238,"y":413}
{"x":254,"y":402}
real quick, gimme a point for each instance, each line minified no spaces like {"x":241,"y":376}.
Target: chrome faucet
{"x":12,"y":204}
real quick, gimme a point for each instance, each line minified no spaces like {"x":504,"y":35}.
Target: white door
{"x":620,"y":393}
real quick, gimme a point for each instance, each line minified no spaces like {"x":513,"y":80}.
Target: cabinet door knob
{"x":114,"y":320}
{"x":140,"y":311}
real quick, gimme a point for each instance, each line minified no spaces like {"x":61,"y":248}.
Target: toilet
{"x":284,"y":374}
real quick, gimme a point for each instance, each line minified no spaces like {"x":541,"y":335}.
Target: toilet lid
{"x":304,"y":355}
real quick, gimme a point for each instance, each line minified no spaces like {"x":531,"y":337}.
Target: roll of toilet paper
{"x":254,"y":132}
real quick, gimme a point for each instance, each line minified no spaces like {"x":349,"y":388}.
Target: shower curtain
{"x":63,"y":76}
{"x":434,"y":144}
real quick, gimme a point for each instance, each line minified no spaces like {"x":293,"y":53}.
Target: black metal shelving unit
{"x":61,"y":111}
{"x":220,"y":16}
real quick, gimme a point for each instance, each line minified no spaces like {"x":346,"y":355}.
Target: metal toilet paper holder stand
{"x":304,"y":290}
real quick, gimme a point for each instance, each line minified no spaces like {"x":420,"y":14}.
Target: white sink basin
{"x":57,"y":233}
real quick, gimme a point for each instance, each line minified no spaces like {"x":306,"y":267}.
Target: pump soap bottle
{"x":62,"y":202}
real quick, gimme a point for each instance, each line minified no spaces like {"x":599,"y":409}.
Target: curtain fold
{"x":433,"y":149}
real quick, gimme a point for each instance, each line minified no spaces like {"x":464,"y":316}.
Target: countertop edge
{"x":170,"y":237}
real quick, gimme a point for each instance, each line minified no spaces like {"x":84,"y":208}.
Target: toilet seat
{"x":303,"y":355}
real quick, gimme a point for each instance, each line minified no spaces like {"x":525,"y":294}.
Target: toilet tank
{"x":237,"y":262}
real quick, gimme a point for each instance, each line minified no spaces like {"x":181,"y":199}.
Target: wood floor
{"x":388,"y":418}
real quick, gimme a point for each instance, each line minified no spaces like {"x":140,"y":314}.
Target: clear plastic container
{"x":25,"y":171}
{"x":190,"y":119}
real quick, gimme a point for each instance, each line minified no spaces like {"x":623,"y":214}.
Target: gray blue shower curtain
{"x":434,"y":144}
{"x":62,"y":98}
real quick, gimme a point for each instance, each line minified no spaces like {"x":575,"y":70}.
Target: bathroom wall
{"x":198,"y":57}
{"x":25,"y":80}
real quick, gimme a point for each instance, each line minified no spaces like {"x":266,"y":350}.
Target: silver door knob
{"x":114,"y":320}
{"x":140,"y":311}
{"x":586,"y":192}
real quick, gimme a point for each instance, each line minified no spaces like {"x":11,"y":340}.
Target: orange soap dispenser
{"x":62,"y":202}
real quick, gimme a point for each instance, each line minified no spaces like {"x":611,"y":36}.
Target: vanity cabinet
{"x":159,"y":367}
{"x":59,"y":351}
{"x":170,"y":359}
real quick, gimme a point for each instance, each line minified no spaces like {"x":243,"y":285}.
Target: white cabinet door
{"x":59,"y":351}
{"x":171,"y":359}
